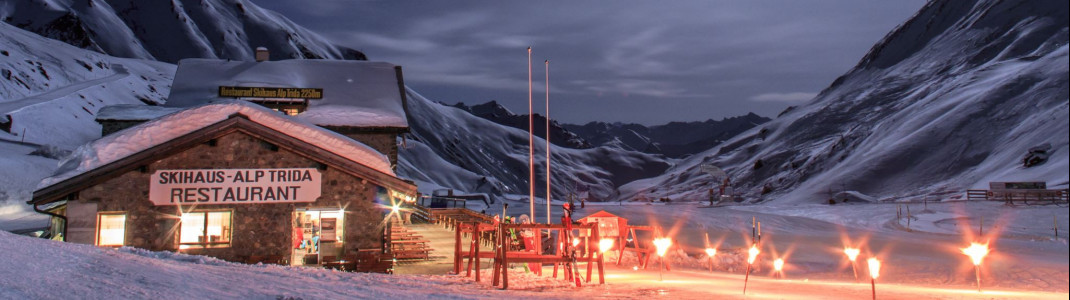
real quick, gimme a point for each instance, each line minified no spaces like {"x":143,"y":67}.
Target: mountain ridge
{"x":172,"y":30}
{"x":952,"y":99}
{"x":673,"y":139}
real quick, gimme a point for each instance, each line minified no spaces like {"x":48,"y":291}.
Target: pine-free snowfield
{"x":918,"y":265}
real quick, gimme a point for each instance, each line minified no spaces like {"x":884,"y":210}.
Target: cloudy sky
{"x":647,"y":62}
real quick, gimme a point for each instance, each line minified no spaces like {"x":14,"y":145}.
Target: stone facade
{"x":384,"y":142}
{"x":258,"y":229}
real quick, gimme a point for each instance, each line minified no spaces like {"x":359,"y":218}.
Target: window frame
{"x":206,"y":244}
{"x":100,"y":216}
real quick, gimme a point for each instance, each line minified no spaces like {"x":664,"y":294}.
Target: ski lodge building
{"x":288,"y":161}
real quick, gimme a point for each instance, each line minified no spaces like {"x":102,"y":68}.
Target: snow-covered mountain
{"x":450,"y":147}
{"x":674,"y":139}
{"x":171,"y":30}
{"x":499,"y":114}
{"x":50,"y":93}
{"x":952,"y":99}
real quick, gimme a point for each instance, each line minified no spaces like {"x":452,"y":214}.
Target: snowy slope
{"x":53,"y":90}
{"x":500,"y":153}
{"x":50,"y":93}
{"x":171,"y":30}
{"x":950,"y":100}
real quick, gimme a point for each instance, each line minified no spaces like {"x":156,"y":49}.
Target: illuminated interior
{"x":205,"y":230}
{"x":317,"y":236}
{"x":288,"y":111}
{"x":112,"y":230}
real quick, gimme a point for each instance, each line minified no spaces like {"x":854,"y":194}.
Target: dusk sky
{"x":647,"y":62}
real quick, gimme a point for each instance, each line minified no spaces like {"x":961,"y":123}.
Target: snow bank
{"x":43,"y":269}
{"x":149,"y":134}
{"x":355,"y":93}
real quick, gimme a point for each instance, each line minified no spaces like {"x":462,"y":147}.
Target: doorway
{"x":317,"y":236}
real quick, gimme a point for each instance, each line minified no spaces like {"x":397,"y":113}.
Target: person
{"x":299,"y":237}
{"x":316,"y":242}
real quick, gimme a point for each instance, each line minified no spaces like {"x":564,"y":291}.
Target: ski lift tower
{"x":718,"y":175}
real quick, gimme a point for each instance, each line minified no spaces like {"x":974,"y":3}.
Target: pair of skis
{"x":571,"y":267}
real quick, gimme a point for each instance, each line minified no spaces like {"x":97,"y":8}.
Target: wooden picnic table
{"x":410,"y":242}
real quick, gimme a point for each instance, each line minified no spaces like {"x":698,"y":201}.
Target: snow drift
{"x":950,"y":100}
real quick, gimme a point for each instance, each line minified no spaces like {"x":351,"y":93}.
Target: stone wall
{"x":385,"y":143}
{"x":258,"y":229}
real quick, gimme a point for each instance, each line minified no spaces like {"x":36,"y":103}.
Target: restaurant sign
{"x":269,"y":92}
{"x":234,"y":186}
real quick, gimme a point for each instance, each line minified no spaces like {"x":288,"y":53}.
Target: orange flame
{"x":753,"y":253}
{"x":710,"y":252}
{"x":604,"y":245}
{"x":778,"y":264}
{"x":874,"y":267}
{"x":976,"y":252}
{"x":852,"y":253}
{"x":663,"y":245}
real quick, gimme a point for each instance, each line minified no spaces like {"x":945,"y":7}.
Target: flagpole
{"x":531,"y":146}
{"x":548,"y":194}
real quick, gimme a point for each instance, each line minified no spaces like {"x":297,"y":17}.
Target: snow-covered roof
{"x":355,"y":93}
{"x":134,"y":112}
{"x":144,"y":136}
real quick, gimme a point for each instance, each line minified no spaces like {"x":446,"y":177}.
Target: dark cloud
{"x":633,"y":61}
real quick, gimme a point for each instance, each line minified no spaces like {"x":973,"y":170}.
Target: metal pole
{"x":746,"y":279}
{"x":977,"y":274}
{"x":759,"y":234}
{"x":855,"y":269}
{"x":548,"y":194}
{"x":661,"y":271}
{"x":873,"y":287}
{"x":531,"y":145}
{"x":753,"y":226}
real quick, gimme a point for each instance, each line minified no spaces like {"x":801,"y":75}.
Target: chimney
{"x":261,"y":54}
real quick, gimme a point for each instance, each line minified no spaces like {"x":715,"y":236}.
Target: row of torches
{"x":976,"y":252}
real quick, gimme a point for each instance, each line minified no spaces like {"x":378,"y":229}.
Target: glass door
{"x":317,"y":236}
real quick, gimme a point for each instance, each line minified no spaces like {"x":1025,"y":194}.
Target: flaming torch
{"x":662,"y":245}
{"x":852,"y":254}
{"x":778,"y":265}
{"x":874,"y":272}
{"x":710,"y":252}
{"x":604,"y":245}
{"x":751,"y":255}
{"x":977,"y":253}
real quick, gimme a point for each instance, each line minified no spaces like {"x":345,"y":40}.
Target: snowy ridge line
{"x":949,"y":101}
{"x":135,"y":139}
{"x":168,"y":31}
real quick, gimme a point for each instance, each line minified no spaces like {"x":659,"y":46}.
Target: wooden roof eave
{"x":235,"y":123}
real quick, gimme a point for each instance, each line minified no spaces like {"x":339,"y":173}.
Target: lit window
{"x":288,"y":111}
{"x":112,"y":229}
{"x":205,"y":230}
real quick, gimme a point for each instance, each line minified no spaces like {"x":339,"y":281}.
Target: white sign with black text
{"x":234,"y":186}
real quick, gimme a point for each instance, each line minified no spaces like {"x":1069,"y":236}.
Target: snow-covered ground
{"x":1026,"y":264}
